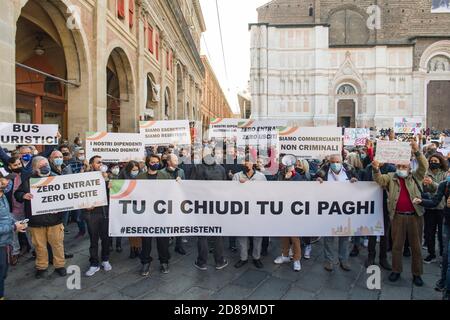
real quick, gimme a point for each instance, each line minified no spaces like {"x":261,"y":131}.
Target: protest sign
{"x":115,"y":147}
{"x":256,"y":208}
{"x":176,"y":132}
{"x":66,"y":193}
{"x":259,"y":132}
{"x":393,"y":152}
{"x":22,"y":133}
{"x":311,"y":142}
{"x":356,"y":136}
{"x":220,"y":128}
{"x":408,"y":125}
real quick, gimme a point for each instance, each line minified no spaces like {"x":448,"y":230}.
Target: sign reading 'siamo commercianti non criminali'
{"x":115,"y":147}
{"x":23,"y":133}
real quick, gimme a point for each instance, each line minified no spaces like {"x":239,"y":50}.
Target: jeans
{"x":98,"y":230}
{"x":15,"y":244}
{"x":433,"y":223}
{"x":3,"y":269}
{"x":445,"y":271}
{"x":202,"y":246}
{"x":243,"y":243}
{"x":80,"y":221}
{"x":343,"y":248}
{"x":163,"y":250}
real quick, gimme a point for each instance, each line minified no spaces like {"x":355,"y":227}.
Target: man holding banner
{"x":406,"y":217}
{"x":338,"y":172}
{"x":45,"y":228}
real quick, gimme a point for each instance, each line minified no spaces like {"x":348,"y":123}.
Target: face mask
{"x":434,"y":166}
{"x":154,"y":167}
{"x":115,"y":171}
{"x":66,"y":154}
{"x":448,"y":179}
{"x":336,"y":167}
{"x":363,"y":156}
{"x":402,"y":173}
{"x":26,"y":157}
{"x":81,"y":158}
{"x":103,"y":168}
{"x":58,"y":162}
{"x":18,"y":170}
{"x":44,"y":171}
{"x":134,"y":174}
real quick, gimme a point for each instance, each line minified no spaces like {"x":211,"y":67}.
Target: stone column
{"x":7,"y":61}
{"x":99,"y":65}
{"x":141,"y":80}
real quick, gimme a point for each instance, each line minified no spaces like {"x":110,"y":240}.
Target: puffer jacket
{"x":391,"y":182}
{"x":6,"y":223}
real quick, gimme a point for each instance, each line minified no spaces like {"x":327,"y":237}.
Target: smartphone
{"x":24,"y":221}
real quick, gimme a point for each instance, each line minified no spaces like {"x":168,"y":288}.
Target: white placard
{"x":66,"y":193}
{"x":165,"y":132}
{"x":311,"y":142}
{"x":115,"y":147}
{"x":34,"y":134}
{"x":356,"y":136}
{"x":393,"y":152}
{"x":408,"y":125}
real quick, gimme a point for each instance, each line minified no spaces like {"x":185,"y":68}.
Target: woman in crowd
{"x":131,"y":172}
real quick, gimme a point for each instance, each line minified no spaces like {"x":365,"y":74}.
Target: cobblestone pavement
{"x":273,"y":282}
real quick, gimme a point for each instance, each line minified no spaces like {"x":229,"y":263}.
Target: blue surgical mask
{"x":154,"y":167}
{"x":44,"y":171}
{"x":402,"y":173}
{"x":336,"y":167}
{"x":58,"y":162}
{"x":134,"y":174}
{"x":27,"y":157}
{"x":363,"y":156}
{"x":448,"y":179}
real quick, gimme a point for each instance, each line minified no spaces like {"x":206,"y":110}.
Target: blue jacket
{"x":6,"y":223}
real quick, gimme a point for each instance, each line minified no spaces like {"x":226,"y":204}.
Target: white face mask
{"x":115,"y":171}
{"x":81,"y":158}
{"x":402,"y":173}
{"x":103,"y":168}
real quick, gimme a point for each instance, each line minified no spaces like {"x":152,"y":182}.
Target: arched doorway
{"x":181,"y":114}
{"x":121,"y":114}
{"x":48,"y":53}
{"x":346,"y":106}
{"x":438,"y":93}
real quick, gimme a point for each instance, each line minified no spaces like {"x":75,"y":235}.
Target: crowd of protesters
{"x":416,"y":206}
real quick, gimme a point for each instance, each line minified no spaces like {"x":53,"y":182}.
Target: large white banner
{"x":176,"y":132}
{"x":65,"y":193}
{"x":22,"y":133}
{"x":257,"y":208}
{"x":311,"y":142}
{"x":115,"y":147}
{"x":408,"y":125}
{"x":221,"y":128}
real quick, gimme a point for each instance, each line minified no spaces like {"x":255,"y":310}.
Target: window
{"x":52,"y":86}
{"x":346,"y":89}
{"x":150,"y":39}
{"x":131,"y":13}
{"x":157,"y":46}
{"x":121,"y":9}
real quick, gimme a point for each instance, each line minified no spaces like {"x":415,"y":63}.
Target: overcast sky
{"x":235,"y":15}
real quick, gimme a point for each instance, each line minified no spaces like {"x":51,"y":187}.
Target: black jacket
{"x":104,"y":210}
{"x":443,"y":191}
{"x":45,"y":220}
{"x":208,"y":172}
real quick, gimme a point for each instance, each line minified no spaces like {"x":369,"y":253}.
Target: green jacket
{"x":166,"y":175}
{"x":391,"y":183}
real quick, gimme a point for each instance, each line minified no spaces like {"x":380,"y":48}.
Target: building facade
{"x":350,"y":63}
{"x":214,"y":102}
{"x":245,"y":104}
{"x":100,"y":65}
